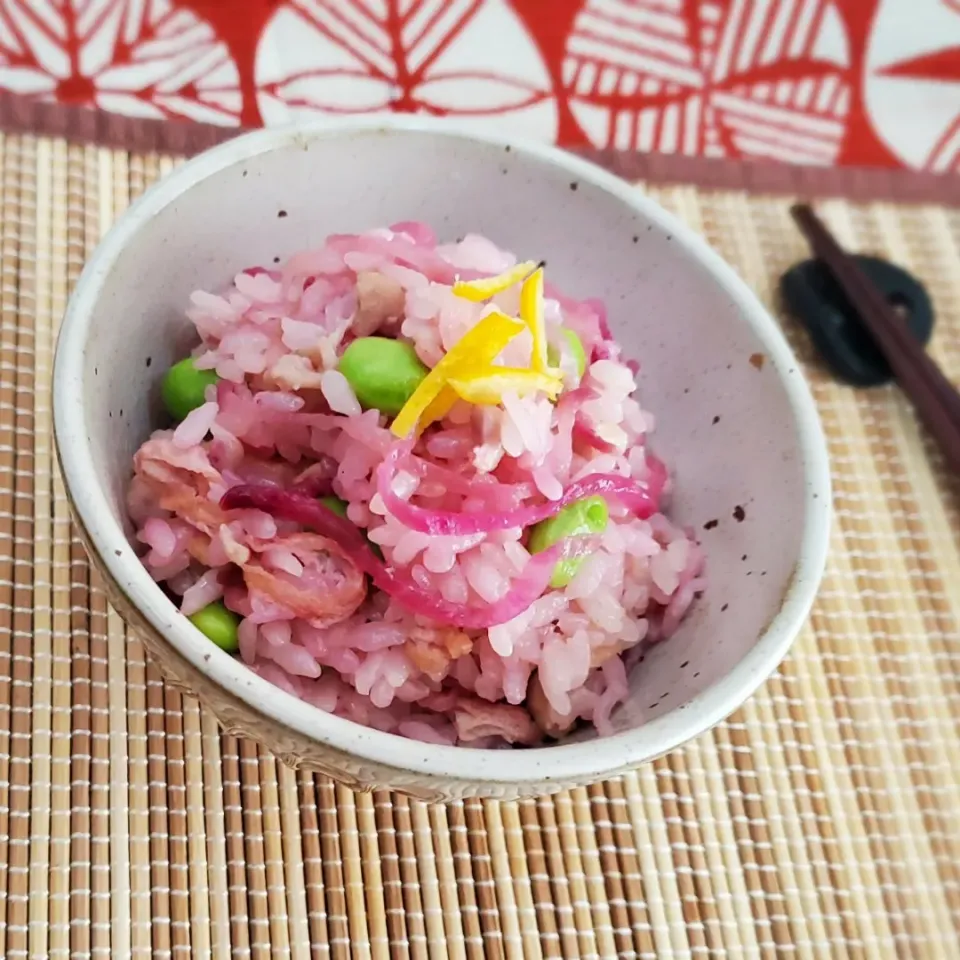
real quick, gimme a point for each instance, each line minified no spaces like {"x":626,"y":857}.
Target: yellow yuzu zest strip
{"x":476,"y":348}
{"x":486,"y":287}
{"x":439,"y":407}
{"x":531,"y":313}
{"x":486,"y":387}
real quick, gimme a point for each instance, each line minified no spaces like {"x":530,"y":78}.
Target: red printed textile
{"x":822,"y":82}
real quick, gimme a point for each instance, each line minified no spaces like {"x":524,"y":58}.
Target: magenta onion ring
{"x":641,"y":500}
{"x":298,"y":508}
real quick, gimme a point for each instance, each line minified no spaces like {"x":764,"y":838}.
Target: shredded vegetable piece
{"x":486,"y":287}
{"x":531,"y":313}
{"x":439,"y":407}
{"x":297,"y":508}
{"x":476,"y":348}
{"x":642,"y":499}
{"x":486,"y":387}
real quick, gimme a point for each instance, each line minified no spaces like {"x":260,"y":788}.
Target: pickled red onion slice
{"x":642,"y":499}
{"x":299,"y":508}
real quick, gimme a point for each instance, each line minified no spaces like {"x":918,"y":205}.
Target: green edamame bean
{"x":574,"y":348}
{"x":339,"y":507}
{"x":335,"y":505}
{"x":184,"y":386}
{"x":382,"y":372}
{"x":219,"y":624}
{"x":582,"y":517}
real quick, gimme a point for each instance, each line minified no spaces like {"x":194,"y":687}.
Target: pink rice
{"x":282,"y":414}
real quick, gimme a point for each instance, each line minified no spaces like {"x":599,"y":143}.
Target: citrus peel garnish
{"x":486,"y":287}
{"x":487,"y":387}
{"x":477,"y":348}
{"x":532,"y":314}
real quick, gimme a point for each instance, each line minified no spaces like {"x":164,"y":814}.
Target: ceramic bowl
{"x":735,"y":420}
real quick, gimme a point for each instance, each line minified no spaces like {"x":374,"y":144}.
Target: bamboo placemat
{"x":823,"y":819}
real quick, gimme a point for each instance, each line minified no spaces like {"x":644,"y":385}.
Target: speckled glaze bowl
{"x":735,"y":419}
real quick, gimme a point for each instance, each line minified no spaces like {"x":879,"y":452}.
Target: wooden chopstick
{"x":905,"y":347}
{"x":934,"y":397}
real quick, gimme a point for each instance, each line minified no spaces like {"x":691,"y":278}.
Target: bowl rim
{"x":563,"y":762}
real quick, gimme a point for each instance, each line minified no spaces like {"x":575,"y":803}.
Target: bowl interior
{"x":725,"y":424}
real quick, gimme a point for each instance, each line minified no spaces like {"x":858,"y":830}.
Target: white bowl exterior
{"x":707,"y":348}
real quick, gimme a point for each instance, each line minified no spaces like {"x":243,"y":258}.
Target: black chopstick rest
{"x":811,"y":294}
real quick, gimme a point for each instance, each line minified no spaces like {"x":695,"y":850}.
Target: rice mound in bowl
{"x":431,"y":570}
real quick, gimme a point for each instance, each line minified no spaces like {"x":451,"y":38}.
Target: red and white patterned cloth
{"x":827,"y":82}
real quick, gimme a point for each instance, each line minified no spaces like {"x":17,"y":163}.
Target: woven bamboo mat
{"x":823,"y":819}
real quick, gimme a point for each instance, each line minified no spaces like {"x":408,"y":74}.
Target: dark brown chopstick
{"x":936,"y":400}
{"x":905,"y":348}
